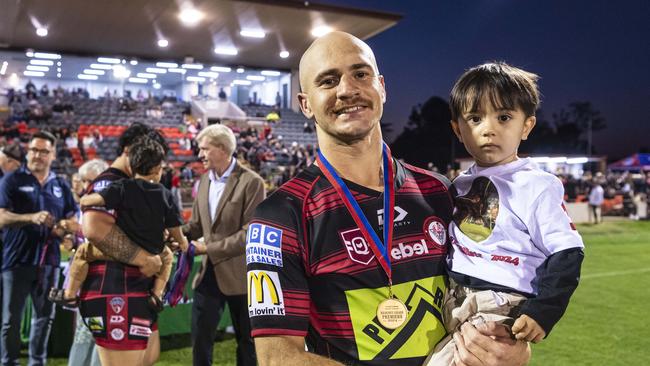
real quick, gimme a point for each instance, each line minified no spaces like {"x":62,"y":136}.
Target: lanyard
{"x":381,"y":250}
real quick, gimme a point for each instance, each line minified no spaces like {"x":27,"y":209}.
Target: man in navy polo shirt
{"x":34,"y":206}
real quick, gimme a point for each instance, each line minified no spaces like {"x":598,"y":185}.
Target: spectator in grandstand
{"x":222,"y":94}
{"x":11,"y":157}
{"x":30,"y":90}
{"x":227,"y":196}
{"x":34,"y":205}
{"x":45,"y":91}
{"x":596,"y":199}
{"x":316,"y":281}
{"x":278,"y":100}
{"x":135,"y":339}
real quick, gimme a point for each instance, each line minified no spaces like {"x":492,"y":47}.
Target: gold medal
{"x":392,"y":313}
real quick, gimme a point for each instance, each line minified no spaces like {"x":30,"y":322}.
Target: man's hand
{"x":42,"y":218}
{"x":200,"y":248}
{"x":527,"y":329}
{"x":489,"y":344}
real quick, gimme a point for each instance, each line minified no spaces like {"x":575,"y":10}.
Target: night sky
{"x":586,"y":50}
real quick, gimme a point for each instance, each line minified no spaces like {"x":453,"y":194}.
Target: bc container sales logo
{"x":264,"y":245}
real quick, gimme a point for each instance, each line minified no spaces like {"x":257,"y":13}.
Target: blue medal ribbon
{"x":381,"y":250}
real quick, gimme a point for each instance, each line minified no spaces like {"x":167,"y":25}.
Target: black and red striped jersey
{"x":312,"y":274}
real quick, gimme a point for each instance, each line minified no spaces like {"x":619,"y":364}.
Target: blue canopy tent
{"x":636,"y":162}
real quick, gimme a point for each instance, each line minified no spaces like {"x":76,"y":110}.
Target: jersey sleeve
{"x":550,"y":226}
{"x":278,"y":292}
{"x":113,"y":195}
{"x":5,"y":192}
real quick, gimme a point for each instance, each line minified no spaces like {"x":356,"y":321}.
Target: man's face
{"x":40,"y":155}
{"x":211,"y":156}
{"x":77,"y":184}
{"x":342,"y":89}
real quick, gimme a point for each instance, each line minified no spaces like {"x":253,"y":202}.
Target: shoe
{"x":57,"y":296}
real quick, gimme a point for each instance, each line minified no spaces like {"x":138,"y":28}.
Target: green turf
{"x":606,"y":323}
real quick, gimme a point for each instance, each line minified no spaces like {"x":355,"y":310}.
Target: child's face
{"x":492,"y":136}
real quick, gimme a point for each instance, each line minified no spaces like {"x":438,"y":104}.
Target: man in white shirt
{"x":596,"y":198}
{"x":228,"y":194}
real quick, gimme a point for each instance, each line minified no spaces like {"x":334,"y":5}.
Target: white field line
{"x":615,"y":273}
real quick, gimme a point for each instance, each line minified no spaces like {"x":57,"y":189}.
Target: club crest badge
{"x":435,"y":230}
{"x":117,"y":304}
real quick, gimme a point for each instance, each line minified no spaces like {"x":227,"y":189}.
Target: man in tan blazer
{"x":227,"y":197}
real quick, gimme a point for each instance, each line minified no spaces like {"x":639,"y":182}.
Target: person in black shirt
{"x":145,"y":208}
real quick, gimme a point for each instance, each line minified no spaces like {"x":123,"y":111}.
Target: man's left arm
{"x":235,"y":244}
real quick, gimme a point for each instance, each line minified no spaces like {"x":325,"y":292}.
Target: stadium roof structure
{"x":132,"y":29}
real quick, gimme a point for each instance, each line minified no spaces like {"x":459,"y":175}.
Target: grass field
{"x":606,"y":323}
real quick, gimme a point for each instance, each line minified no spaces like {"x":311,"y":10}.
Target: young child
{"x":515,"y":255}
{"x":145,"y":208}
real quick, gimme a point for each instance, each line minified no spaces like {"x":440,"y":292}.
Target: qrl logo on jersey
{"x":434,"y":228}
{"x":356,"y":245}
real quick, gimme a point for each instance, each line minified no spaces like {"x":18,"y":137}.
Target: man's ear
{"x":382,"y":82}
{"x":456,"y":129}
{"x":529,"y":124}
{"x":304,"y":105}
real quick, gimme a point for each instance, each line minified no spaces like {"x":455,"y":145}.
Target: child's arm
{"x":178,"y":236}
{"x":527,"y":329}
{"x":93,"y":199}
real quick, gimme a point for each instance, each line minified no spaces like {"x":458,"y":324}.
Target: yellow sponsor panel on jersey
{"x":416,"y":338}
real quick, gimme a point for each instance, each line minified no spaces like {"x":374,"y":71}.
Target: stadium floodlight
{"x":108,"y":60}
{"x":178,"y":71}
{"x":37,"y":68}
{"x":41,"y":32}
{"x":209,"y":74}
{"x":192,"y":66}
{"x":29,"y":53}
{"x":133,"y":62}
{"x":252,"y":33}
{"x":146,"y":75}
{"x":138,"y":80}
{"x":195,"y":78}
{"x":240,"y":70}
{"x":284,"y":54}
{"x":121,"y":72}
{"x":228,"y":51}
{"x":101,"y":66}
{"x":241,"y":82}
{"x":270,"y":73}
{"x":255,"y":78}
{"x":189,"y":15}
{"x":156,"y":86}
{"x":34,"y":73}
{"x":220,"y":69}
{"x":94,"y":72}
{"x":3,"y":68}
{"x":321,"y":31}
{"x":87,"y":77}
{"x":162,"y":43}
{"x":581,"y":160}
{"x":41,"y":62}
{"x":156,"y":70}
{"x":172,"y":65}
{"x":47,"y":56}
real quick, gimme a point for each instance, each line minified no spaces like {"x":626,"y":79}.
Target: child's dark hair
{"x":507,"y":87}
{"x":137,"y":130}
{"x":145,"y":154}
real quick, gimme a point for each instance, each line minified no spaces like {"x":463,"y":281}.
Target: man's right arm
{"x":100,"y":229}
{"x":287,"y":351}
{"x":8,"y":218}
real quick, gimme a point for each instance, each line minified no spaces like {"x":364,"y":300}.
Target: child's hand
{"x":526,"y":328}
{"x":184,"y":245}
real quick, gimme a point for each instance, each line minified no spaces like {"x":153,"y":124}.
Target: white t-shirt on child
{"x":514,"y":219}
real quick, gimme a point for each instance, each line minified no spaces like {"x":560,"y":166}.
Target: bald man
{"x":323,"y":287}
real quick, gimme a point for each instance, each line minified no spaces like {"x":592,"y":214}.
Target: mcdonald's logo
{"x":264,"y":293}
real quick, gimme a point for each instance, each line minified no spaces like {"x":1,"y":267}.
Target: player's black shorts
{"x":114,"y":306}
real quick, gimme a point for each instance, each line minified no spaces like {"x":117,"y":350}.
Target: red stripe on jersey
{"x":296,"y":187}
{"x":332,"y":326}
{"x":97,"y":269}
{"x":261,"y":332}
